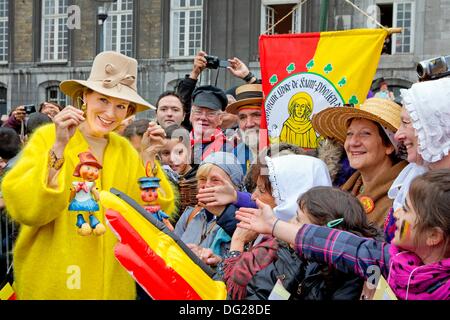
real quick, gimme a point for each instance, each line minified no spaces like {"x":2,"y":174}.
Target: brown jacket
{"x":377,"y":191}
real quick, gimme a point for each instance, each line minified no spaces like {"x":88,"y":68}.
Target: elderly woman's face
{"x":215,"y":177}
{"x":104,"y":113}
{"x":364,"y":145}
{"x":406,"y":134}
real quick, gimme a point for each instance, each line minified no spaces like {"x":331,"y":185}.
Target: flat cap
{"x":209,"y":97}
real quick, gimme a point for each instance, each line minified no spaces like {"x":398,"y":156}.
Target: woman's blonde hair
{"x":204,"y":169}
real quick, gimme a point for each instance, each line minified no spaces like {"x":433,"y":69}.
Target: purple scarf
{"x":410,"y":279}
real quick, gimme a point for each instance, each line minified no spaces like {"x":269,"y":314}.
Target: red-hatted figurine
{"x":84,"y":195}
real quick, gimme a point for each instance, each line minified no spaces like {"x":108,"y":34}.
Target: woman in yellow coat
{"x":51,"y":260}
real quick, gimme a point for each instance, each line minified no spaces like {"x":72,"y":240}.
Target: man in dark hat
{"x":208,"y":103}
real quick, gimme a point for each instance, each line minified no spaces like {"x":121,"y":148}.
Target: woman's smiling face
{"x":104,"y":113}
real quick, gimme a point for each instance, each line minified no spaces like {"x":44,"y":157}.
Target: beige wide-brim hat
{"x":113,"y":74}
{"x":332,"y":122}
{"x":246,"y":95}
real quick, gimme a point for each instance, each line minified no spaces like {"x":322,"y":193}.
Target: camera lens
{"x":420,"y":71}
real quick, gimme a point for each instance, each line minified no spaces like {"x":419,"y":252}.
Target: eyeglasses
{"x":208,"y":114}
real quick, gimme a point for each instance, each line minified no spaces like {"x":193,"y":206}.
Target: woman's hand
{"x":153,"y":139}
{"x":205,"y":254}
{"x":218,"y":195}
{"x":260,"y":220}
{"x":66,"y":123}
{"x":240,"y":238}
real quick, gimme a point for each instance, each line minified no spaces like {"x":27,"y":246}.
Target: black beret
{"x":209,"y":97}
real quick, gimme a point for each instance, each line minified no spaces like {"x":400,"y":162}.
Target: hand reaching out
{"x":218,"y":195}
{"x":262,"y":220}
{"x":259,"y":220}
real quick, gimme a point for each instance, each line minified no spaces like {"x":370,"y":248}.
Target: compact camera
{"x":434,"y":68}
{"x":29,"y":108}
{"x":213,"y":62}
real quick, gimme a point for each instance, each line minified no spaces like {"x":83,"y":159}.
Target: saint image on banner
{"x":298,"y":129}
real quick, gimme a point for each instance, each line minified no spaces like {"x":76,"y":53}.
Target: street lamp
{"x":102,"y":15}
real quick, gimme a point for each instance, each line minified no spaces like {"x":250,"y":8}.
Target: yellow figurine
{"x":84,"y":195}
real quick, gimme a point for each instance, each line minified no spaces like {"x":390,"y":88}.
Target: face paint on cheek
{"x":405,"y":230}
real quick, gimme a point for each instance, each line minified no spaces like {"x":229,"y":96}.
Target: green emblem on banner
{"x":328,"y":68}
{"x":290,"y":68}
{"x":273,"y":79}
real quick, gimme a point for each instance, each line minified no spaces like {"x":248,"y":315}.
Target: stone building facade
{"x":40,"y":47}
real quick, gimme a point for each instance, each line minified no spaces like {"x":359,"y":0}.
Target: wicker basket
{"x":188,"y":191}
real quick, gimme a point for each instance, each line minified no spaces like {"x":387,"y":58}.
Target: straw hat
{"x":246,"y":95}
{"x":112,"y":74}
{"x":86,"y":158}
{"x":332,"y":122}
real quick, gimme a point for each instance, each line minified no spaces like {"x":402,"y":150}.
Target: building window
{"x":399,"y":14}
{"x":273,"y":11}
{"x":118,"y":28}
{"x":55,"y":35}
{"x":186,"y":26}
{"x":4,"y":31}
{"x":403,"y":13}
{"x":53,"y":94}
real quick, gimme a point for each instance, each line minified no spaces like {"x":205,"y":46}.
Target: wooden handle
{"x":395,"y":30}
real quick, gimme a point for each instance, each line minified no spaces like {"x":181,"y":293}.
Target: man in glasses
{"x":208,"y":104}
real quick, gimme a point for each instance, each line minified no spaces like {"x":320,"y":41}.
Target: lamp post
{"x":102,"y":15}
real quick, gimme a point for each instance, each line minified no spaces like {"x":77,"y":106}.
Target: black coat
{"x":303,"y":280}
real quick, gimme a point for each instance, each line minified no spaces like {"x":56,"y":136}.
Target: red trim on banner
{"x":281,"y":55}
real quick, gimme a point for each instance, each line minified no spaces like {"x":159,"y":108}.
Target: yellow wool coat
{"x":51,"y":261}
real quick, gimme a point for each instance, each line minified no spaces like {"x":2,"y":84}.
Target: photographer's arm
{"x":187,"y":85}
{"x":199,"y":65}
{"x":15,"y":119}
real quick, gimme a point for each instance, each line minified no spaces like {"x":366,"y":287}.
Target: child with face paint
{"x":417,"y":262}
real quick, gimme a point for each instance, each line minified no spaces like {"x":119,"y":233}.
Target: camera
{"x":29,"y":108}
{"x":213,"y":62}
{"x":434,"y":68}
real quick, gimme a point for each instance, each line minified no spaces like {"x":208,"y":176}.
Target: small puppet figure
{"x":149,"y":193}
{"x":84,"y":195}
